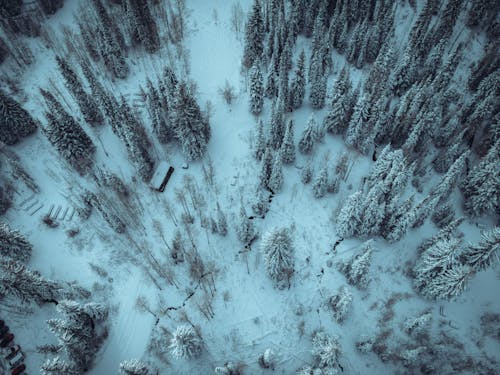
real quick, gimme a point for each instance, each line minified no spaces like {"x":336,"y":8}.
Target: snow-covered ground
{"x":249,"y":313}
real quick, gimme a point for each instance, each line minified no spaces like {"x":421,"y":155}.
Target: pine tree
{"x":28,"y":286}
{"x":306,"y":173}
{"x":320,"y":183}
{"x":143,"y":24}
{"x":356,"y":269}
{"x":482,"y":184}
{"x":276,"y":180}
{"x":446,"y":185}
{"x":260,"y":204}
{"x":326,"y":350}
{"x":133,"y":367}
{"x":67,"y":136}
{"x":349,"y":218}
{"x":341,"y":303}
{"x":266,"y":168}
{"x":287,"y":150}
{"x":186,"y":343}
{"x":50,"y":7}
{"x":306,"y":142}
{"x":271,"y":90}
{"x":260,"y":142}
{"x":298,"y":85}
{"x":159,"y":112}
{"x":256,"y":90}
{"x":254,"y":36}
{"x":245,"y":230}
{"x":15,"y":122}
{"x":450,"y":283}
{"x":221,"y":222}
{"x":277,"y":131}
{"x":357,"y":130}
{"x":86,"y":102}
{"x":483,"y":254}
{"x":13,"y":245}
{"x":190,"y":128}
{"x":278,"y":250}
{"x":58,"y":366}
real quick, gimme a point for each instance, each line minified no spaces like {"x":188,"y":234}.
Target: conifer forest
{"x":245,"y":187}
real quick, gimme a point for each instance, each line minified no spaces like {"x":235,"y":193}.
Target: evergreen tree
{"x":373,"y":211}
{"x":287,"y":150}
{"x":298,"y":85}
{"x":13,"y":245}
{"x":186,"y":343}
{"x":271,"y":90}
{"x":450,"y":283}
{"x":278,"y":250}
{"x":15,"y":122}
{"x":349,"y":217}
{"x":256,"y":90}
{"x":277,"y":131}
{"x":445,"y":187}
{"x":28,"y":286}
{"x":306,"y":174}
{"x":221,"y":222}
{"x":133,"y":367}
{"x":320,"y":184}
{"x":67,"y":136}
{"x":159,"y":112}
{"x":266,"y":168}
{"x":260,"y":204}
{"x":254,"y":36}
{"x":143,"y":24}
{"x":482,"y":255}
{"x":481,"y":187}
{"x":306,"y":142}
{"x":358,"y":128}
{"x":58,"y":366}
{"x":191,"y":129}
{"x":245,"y":230}
{"x":326,"y":350}
{"x":260,"y":142}
{"x":86,"y":102}
{"x":447,"y":20}
{"x":356,"y":269}
{"x":49,"y":7}
{"x":276,"y":180}
{"x":341,"y":304}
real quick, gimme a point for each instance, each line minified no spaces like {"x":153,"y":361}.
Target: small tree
{"x":186,"y":343}
{"x":245,"y":230}
{"x":276,"y":180}
{"x":321,"y":183}
{"x":256,"y":90}
{"x":133,"y":367}
{"x":326,"y":350}
{"x":357,"y":268}
{"x":287,"y":150}
{"x":278,"y":250}
{"x":306,"y":142}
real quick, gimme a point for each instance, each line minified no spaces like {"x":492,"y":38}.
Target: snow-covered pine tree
{"x":320,"y":184}
{"x":276,"y":179}
{"x":143,"y":25}
{"x":380,"y":71}
{"x":349,"y":218}
{"x":341,"y":303}
{"x":326,"y":350}
{"x":287,"y":150}
{"x":15,"y":122}
{"x":256,"y":90}
{"x":159,"y":114}
{"x":50,"y":7}
{"x":266,"y":167}
{"x":373,"y":211}
{"x":271,"y":90}
{"x":317,"y":94}
{"x":260,"y":205}
{"x":133,"y":367}
{"x":90,"y":110}
{"x":482,"y":184}
{"x":185,"y":343}
{"x":359,"y":127}
{"x":221,"y":221}
{"x":306,"y":173}
{"x":67,"y":136}
{"x":190,"y":128}
{"x":480,"y":12}
{"x":357,"y":268}
{"x":278,"y":249}
{"x":13,"y":245}
{"x":260,"y":141}
{"x":58,"y":366}
{"x":483,"y":254}
{"x":254,"y":36}
{"x":245,"y":229}
{"x":298,"y":85}
{"x":28,"y":286}
{"x":450,"y":283}
{"x":277,"y":126}
{"x":446,"y":185}
{"x":306,"y":142}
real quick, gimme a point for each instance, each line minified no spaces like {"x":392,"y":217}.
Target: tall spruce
{"x":256,"y":90}
{"x":254,"y":36}
{"x":15,"y":122}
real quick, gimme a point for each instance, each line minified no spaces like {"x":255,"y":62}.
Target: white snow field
{"x":247,"y":313}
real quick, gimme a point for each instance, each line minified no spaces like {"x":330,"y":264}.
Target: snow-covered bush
{"x":267,"y":359}
{"x":417,"y":324}
{"x":133,"y":367}
{"x":229,"y":368}
{"x":410,"y":356}
{"x":57,"y":366}
{"x":278,"y":250}
{"x":341,"y":303}
{"x":185,"y":343}
{"x":365,"y":343}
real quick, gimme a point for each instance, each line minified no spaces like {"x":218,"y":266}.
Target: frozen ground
{"x":250,"y":315}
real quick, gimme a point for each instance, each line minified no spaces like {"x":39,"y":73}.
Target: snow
{"x":250,"y":314}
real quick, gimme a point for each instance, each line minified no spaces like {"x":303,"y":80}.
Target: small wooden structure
{"x":161,"y":176}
